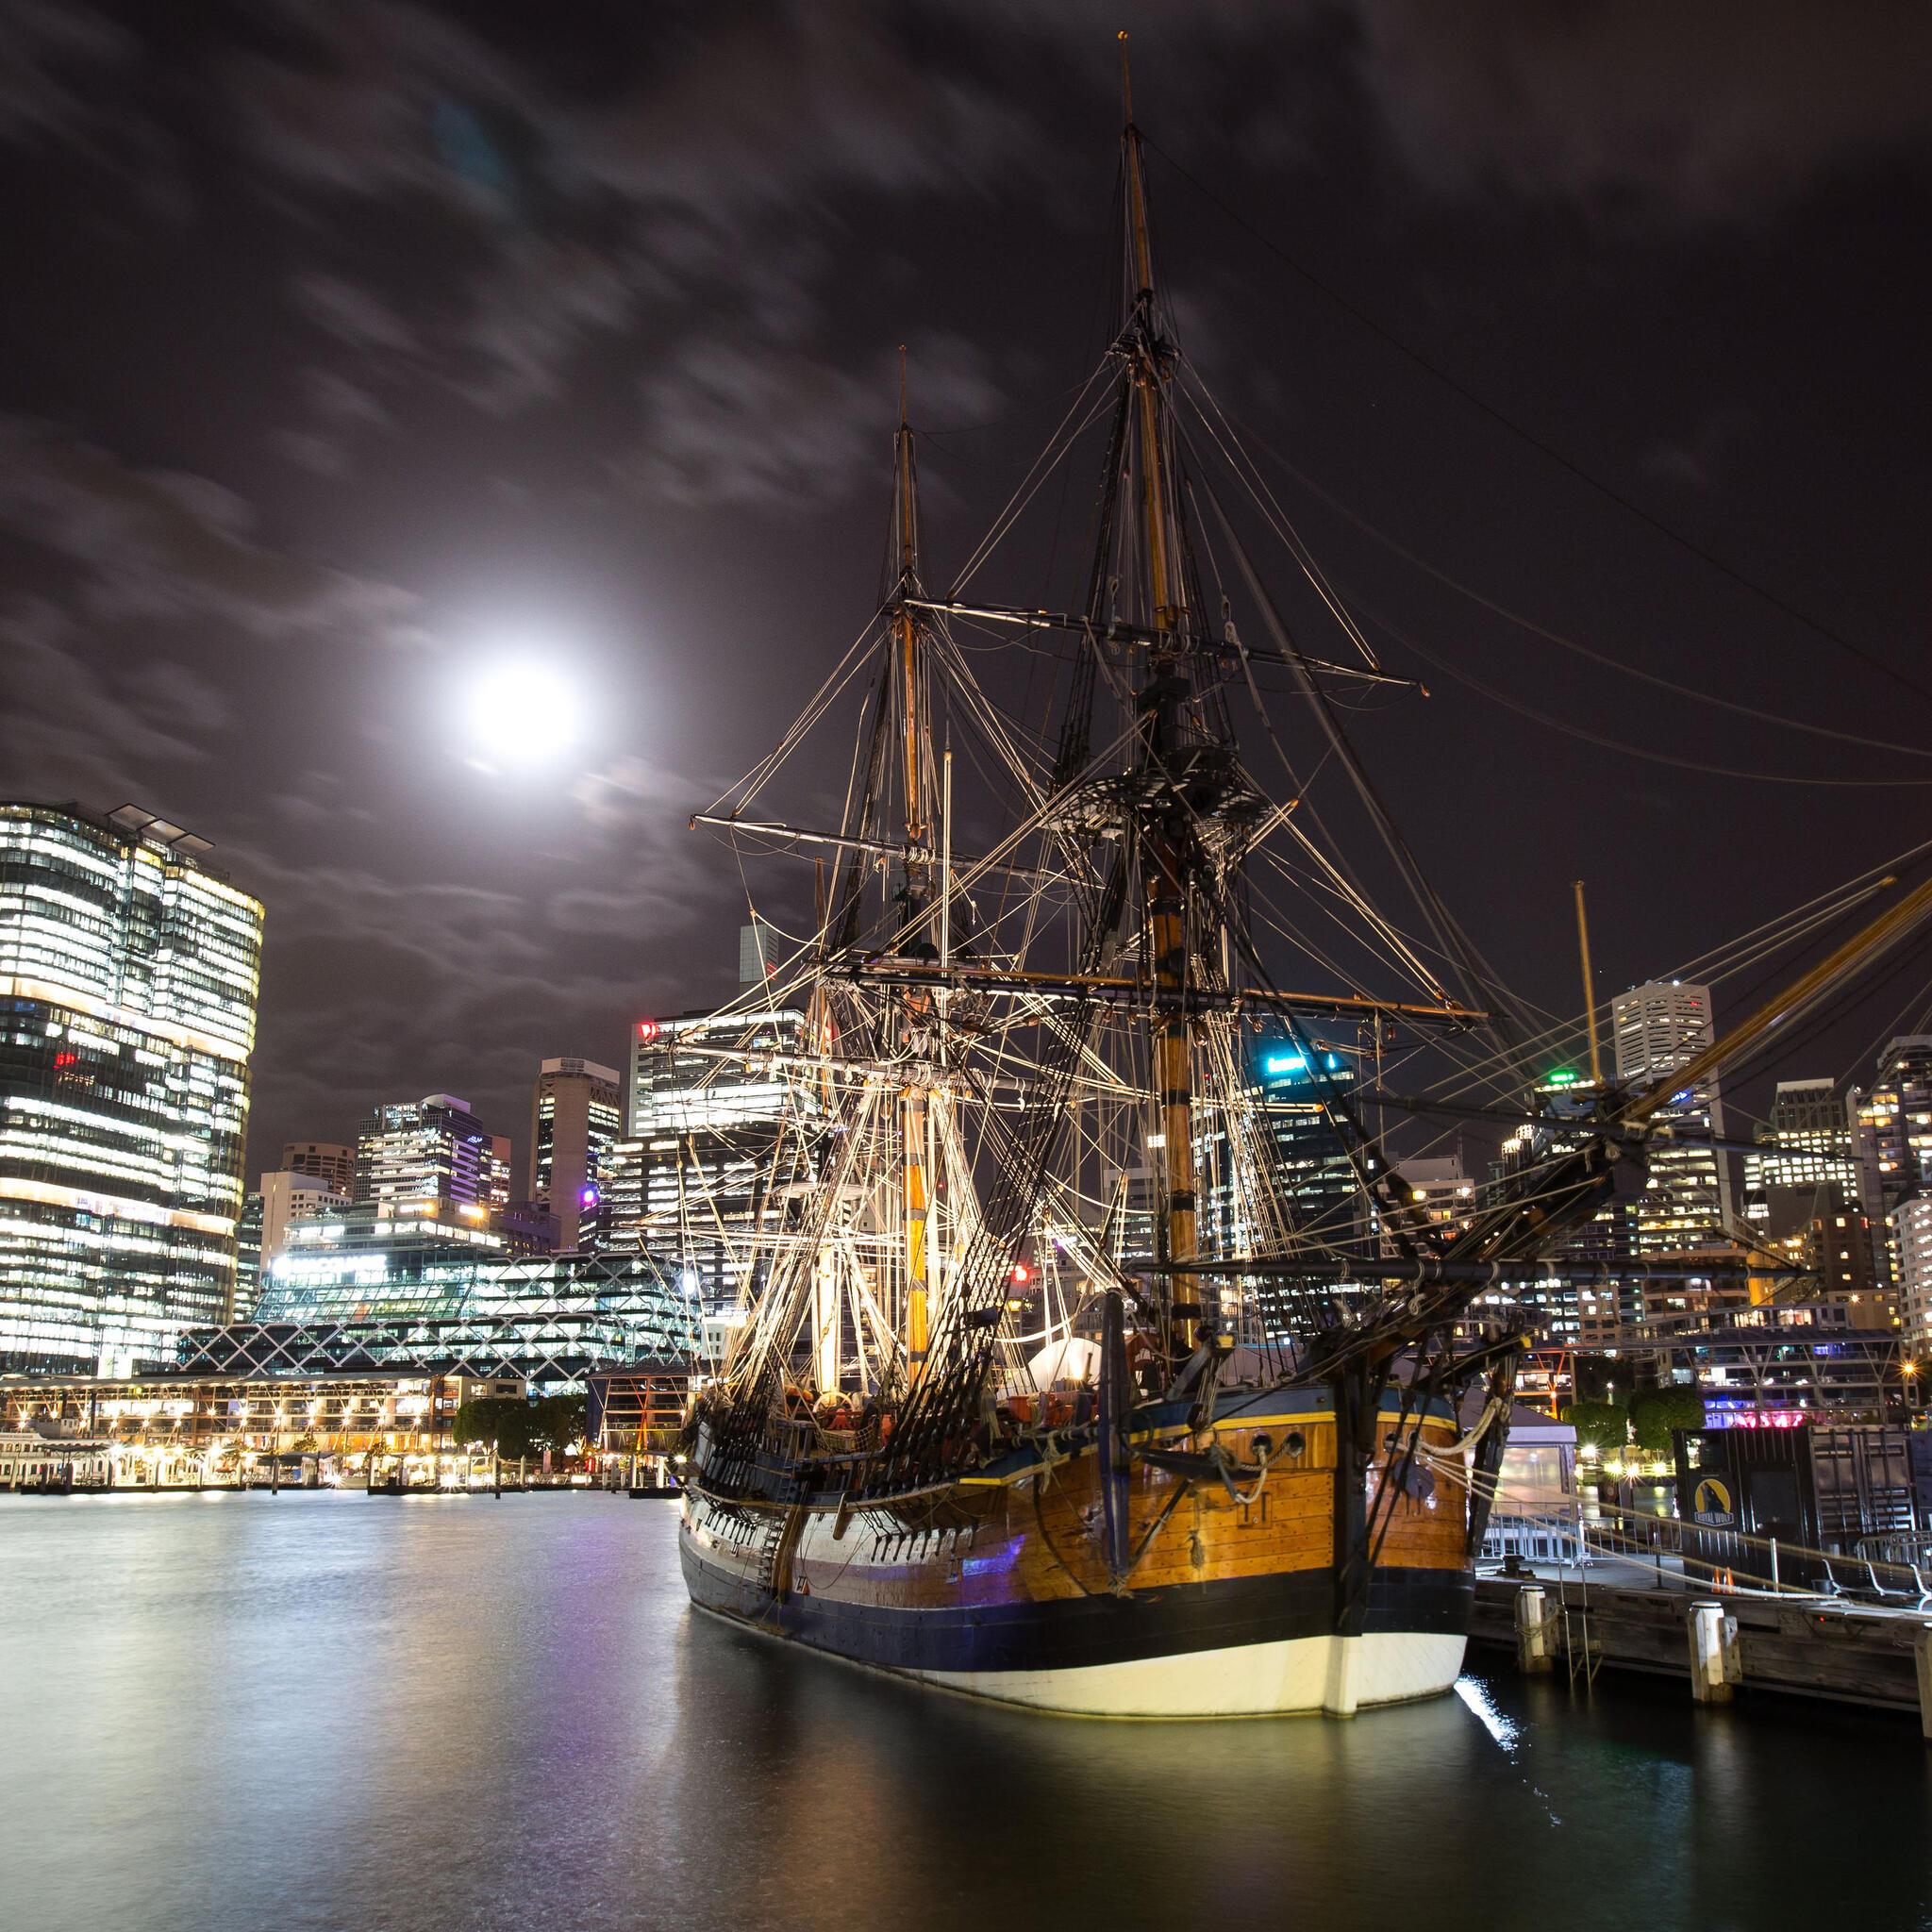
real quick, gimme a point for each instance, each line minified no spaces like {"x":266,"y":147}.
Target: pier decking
{"x":1622,"y":1616}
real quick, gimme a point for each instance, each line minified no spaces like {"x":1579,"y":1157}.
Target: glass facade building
{"x":1658,"y":1029}
{"x":437,"y":1283}
{"x":128,"y":975}
{"x":1893,"y":1142}
{"x":432,"y":1152}
{"x":714,"y":1139}
{"x":577,"y":1117}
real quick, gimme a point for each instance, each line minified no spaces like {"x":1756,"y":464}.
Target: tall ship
{"x":1091,"y":1353}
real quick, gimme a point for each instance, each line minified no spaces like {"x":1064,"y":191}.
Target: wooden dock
{"x":1718,"y":1643}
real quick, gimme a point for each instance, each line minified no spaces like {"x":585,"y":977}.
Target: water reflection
{"x":327,"y":1711}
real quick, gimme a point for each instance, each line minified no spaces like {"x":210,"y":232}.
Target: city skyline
{"x":314,"y":434}
{"x":874,"y":876}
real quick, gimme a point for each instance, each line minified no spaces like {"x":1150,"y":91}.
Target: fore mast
{"x":917,"y":1008}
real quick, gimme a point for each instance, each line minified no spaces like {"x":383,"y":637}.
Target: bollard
{"x":1532,"y":1631}
{"x":1713,"y":1640}
{"x":1922,"y":1650}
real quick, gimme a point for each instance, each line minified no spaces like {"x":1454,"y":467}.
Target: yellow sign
{"x":1710,"y":1503}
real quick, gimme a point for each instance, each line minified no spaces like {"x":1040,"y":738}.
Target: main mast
{"x":1165,"y":855}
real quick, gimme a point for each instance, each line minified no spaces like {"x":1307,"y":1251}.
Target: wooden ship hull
{"x":1229,"y":1603}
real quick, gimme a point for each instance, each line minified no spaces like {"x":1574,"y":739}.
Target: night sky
{"x":353,"y":352}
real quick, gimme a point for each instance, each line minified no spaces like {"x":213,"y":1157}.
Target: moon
{"x":522,"y":712}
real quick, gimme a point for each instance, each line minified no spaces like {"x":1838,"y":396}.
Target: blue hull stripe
{"x":1073,"y":1633}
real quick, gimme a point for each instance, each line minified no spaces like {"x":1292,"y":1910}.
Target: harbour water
{"x":327,"y":1711}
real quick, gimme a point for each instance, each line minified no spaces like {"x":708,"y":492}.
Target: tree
{"x":505,"y":1423}
{"x":1601,"y":1425}
{"x":1656,"y":1412}
{"x":557,"y":1421}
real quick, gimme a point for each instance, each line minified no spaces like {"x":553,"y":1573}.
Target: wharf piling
{"x":1534,"y":1649}
{"x":1745,"y":1640}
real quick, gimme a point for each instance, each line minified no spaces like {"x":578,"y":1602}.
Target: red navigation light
{"x":1022,"y":1275}
{"x":647,"y":1029}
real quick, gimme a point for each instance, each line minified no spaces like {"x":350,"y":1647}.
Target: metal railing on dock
{"x":1732,"y":1618}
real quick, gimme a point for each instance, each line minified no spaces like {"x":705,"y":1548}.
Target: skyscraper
{"x":1312,"y":1176}
{"x":288,"y":1197}
{"x":713,"y":1139}
{"x":1892,"y":1140}
{"x":1312,"y":1168}
{"x":433,"y":1151}
{"x":1802,"y":1193}
{"x":248,"y":1256}
{"x":1658,"y":1029}
{"x":1810,"y":1138}
{"x":576,"y":1116}
{"x":1912,"y":1237}
{"x":1578,"y":1309}
{"x":128,"y":988}
{"x":327,"y":1161}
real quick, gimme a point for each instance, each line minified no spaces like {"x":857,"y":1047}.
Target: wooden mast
{"x":1164,"y":857}
{"x":906,"y":521}
{"x":914,"y":1126}
{"x":1596,"y":1058}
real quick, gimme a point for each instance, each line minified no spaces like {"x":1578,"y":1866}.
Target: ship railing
{"x":789,"y":1439}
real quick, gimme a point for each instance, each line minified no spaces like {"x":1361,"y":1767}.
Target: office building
{"x":1810,"y":1138}
{"x":716,"y":1120}
{"x":1310,"y":1176}
{"x":1439,"y":1195}
{"x":1597,"y":1299}
{"x":1313,"y":1175}
{"x":1805,"y":1144}
{"x":1802,"y":1196}
{"x":1912,"y":1248}
{"x":1657,"y":1029}
{"x":1892,"y":1127}
{"x":327,"y":1161}
{"x":431,"y":1153}
{"x":1300,"y":1165}
{"x":287,"y":1197}
{"x":248,"y":1253}
{"x":438,"y":1287}
{"x":127,"y":989}
{"x":577,"y":1117}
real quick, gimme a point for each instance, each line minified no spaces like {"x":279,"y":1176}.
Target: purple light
{"x":587,"y":1198}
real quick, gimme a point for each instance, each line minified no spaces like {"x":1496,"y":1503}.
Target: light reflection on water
{"x":330,"y":1712}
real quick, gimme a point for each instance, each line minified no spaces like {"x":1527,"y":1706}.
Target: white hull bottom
{"x":1298,"y":1675}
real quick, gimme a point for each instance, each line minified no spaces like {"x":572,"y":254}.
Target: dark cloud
{"x":578,"y":325}
{"x":351,"y":314}
{"x":588,"y":218}
{"x":1699,"y":460}
{"x":82,"y":730}
{"x":734,"y":424}
{"x":338,"y":411}
{"x":160,"y":543}
{"x":1698,"y":112}
{"x":50,"y":52}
